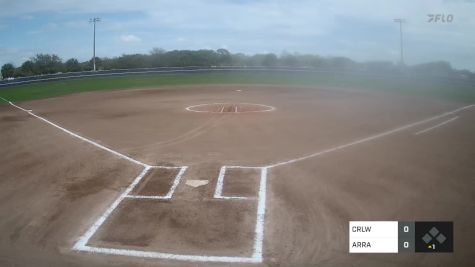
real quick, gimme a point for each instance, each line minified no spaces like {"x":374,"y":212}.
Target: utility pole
{"x":401,"y":21}
{"x":94,"y":20}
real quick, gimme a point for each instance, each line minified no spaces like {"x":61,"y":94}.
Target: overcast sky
{"x":362,"y":30}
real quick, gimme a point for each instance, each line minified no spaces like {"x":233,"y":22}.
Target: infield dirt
{"x":53,"y":186}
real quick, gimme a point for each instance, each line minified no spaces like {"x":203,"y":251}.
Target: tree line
{"x":50,"y":63}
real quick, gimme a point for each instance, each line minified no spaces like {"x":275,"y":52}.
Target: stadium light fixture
{"x":401,"y":21}
{"x":94,"y":20}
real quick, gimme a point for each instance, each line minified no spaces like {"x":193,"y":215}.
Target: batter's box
{"x":238,"y":182}
{"x":207,"y":231}
{"x":159,"y":183}
{"x":191,"y":227}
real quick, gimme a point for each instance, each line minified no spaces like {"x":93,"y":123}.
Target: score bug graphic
{"x":400,"y":236}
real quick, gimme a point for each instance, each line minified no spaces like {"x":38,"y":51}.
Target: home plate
{"x":196,"y":183}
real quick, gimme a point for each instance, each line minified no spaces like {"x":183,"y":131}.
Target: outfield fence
{"x":201,"y":69}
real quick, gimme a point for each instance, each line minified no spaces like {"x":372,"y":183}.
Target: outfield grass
{"x":454,"y":91}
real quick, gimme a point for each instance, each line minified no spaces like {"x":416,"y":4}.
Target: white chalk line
{"x":84,"y":239}
{"x":268,"y":108}
{"x":260,"y":221}
{"x":169,"y":256}
{"x":261,"y":212}
{"x":218,"y":193}
{"x":170,"y":192}
{"x":436,"y":126}
{"x":370,"y":138}
{"x":261,"y":205}
{"x":256,"y":256}
{"x":81,"y":244}
{"x":78,"y":136}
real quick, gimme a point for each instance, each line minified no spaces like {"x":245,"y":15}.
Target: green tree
{"x":8,"y":70}
{"x":437,"y":68}
{"x":157,"y":51}
{"x":156,"y":57}
{"x":224,"y":57}
{"x":380,"y":66}
{"x":289,"y":60}
{"x":46,"y":63}
{"x":131,"y":61}
{"x":90,"y":64}
{"x":28,"y":68}
{"x":239,"y":59}
{"x":341,"y":64}
{"x":269,"y":60}
{"x":72,"y":65}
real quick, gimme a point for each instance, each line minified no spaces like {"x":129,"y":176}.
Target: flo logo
{"x":442,"y":18}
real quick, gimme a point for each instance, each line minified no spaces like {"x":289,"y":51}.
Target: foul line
{"x":77,"y":135}
{"x":370,"y":138}
{"x":256,"y":257}
{"x":81,"y":244}
{"x":437,"y":125}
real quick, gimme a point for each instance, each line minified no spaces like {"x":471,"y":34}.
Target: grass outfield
{"x":454,"y":91}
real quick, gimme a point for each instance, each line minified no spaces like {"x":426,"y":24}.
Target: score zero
{"x":406,"y":230}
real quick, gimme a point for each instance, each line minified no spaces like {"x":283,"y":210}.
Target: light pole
{"x":94,"y":20}
{"x":401,"y":21}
